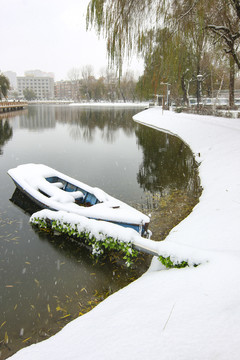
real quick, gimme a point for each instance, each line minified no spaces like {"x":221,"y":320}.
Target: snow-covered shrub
{"x":100,"y":243}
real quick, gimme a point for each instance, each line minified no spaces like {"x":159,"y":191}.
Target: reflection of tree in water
{"x":85,"y":122}
{"x":5,"y":133}
{"x":168,"y":163}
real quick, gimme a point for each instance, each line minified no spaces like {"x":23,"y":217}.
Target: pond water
{"x":47,"y":281}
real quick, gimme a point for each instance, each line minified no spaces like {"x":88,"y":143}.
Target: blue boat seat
{"x":90,"y":200}
{"x":69,"y":187}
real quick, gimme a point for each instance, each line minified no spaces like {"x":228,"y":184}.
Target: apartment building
{"x":67,"y":90}
{"x":43,"y":87}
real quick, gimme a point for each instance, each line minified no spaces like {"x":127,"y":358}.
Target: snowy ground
{"x":191,"y":313}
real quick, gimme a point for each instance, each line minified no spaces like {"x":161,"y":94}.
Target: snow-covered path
{"x":191,"y":313}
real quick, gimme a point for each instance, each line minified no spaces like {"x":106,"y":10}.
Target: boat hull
{"x":51,"y":189}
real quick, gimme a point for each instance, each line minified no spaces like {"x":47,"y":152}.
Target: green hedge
{"x":99,"y":246}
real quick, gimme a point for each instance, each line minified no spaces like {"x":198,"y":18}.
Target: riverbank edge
{"x":176,"y":314}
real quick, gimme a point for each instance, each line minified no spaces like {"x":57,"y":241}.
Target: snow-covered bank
{"x":190,"y":313}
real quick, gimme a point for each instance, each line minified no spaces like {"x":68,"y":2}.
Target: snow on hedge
{"x":101,"y":231}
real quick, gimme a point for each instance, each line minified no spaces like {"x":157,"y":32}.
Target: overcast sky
{"x":49,"y":35}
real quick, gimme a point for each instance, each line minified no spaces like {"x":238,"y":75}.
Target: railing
{"x":7,"y":106}
{"x":13,"y":104}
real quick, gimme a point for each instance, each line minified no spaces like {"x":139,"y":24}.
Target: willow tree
{"x":123,"y":23}
{"x":170,"y":62}
{"x":133,"y":26}
{"x":218,"y":26}
{"x":224,"y":26}
{"x":190,"y":19}
{"x":144,"y":27}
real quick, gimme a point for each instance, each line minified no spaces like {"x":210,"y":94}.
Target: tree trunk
{"x":231,"y":82}
{"x":184,"y":90}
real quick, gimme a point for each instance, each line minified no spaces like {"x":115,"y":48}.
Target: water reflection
{"x":39,"y":118}
{"x":5,"y":133}
{"x":167,"y":164}
{"x":84,"y":121}
{"x":23,"y":202}
{"x":106,"y":121}
{"x":13,"y":114}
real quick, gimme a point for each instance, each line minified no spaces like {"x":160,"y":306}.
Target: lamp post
{"x":199,"y":89}
{"x":168,"y":92}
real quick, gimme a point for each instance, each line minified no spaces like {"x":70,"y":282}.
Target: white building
{"x":38,"y":73}
{"x":43,"y":87}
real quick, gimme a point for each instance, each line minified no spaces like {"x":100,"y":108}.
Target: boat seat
{"x":69,"y":187}
{"x":63,"y":198}
{"x":90,"y":200}
{"x":58,"y":184}
{"x":77,"y":194}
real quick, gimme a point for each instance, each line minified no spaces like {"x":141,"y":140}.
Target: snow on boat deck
{"x":32,"y":180}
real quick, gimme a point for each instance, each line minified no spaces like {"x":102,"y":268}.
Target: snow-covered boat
{"x":51,"y":189}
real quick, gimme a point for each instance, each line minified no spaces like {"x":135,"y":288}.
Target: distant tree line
{"x":84,"y":86}
{"x":108,"y":86}
{"x":192,"y":45}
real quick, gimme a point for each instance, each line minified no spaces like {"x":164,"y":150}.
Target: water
{"x":46,"y":281}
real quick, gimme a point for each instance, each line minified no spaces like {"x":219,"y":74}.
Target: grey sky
{"x":48,"y":35}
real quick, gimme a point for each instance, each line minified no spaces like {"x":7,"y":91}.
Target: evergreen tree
{"x":29,"y":94}
{"x":4,"y":86}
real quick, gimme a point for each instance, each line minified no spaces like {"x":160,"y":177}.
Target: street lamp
{"x":199,"y":88}
{"x":168,"y":92}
